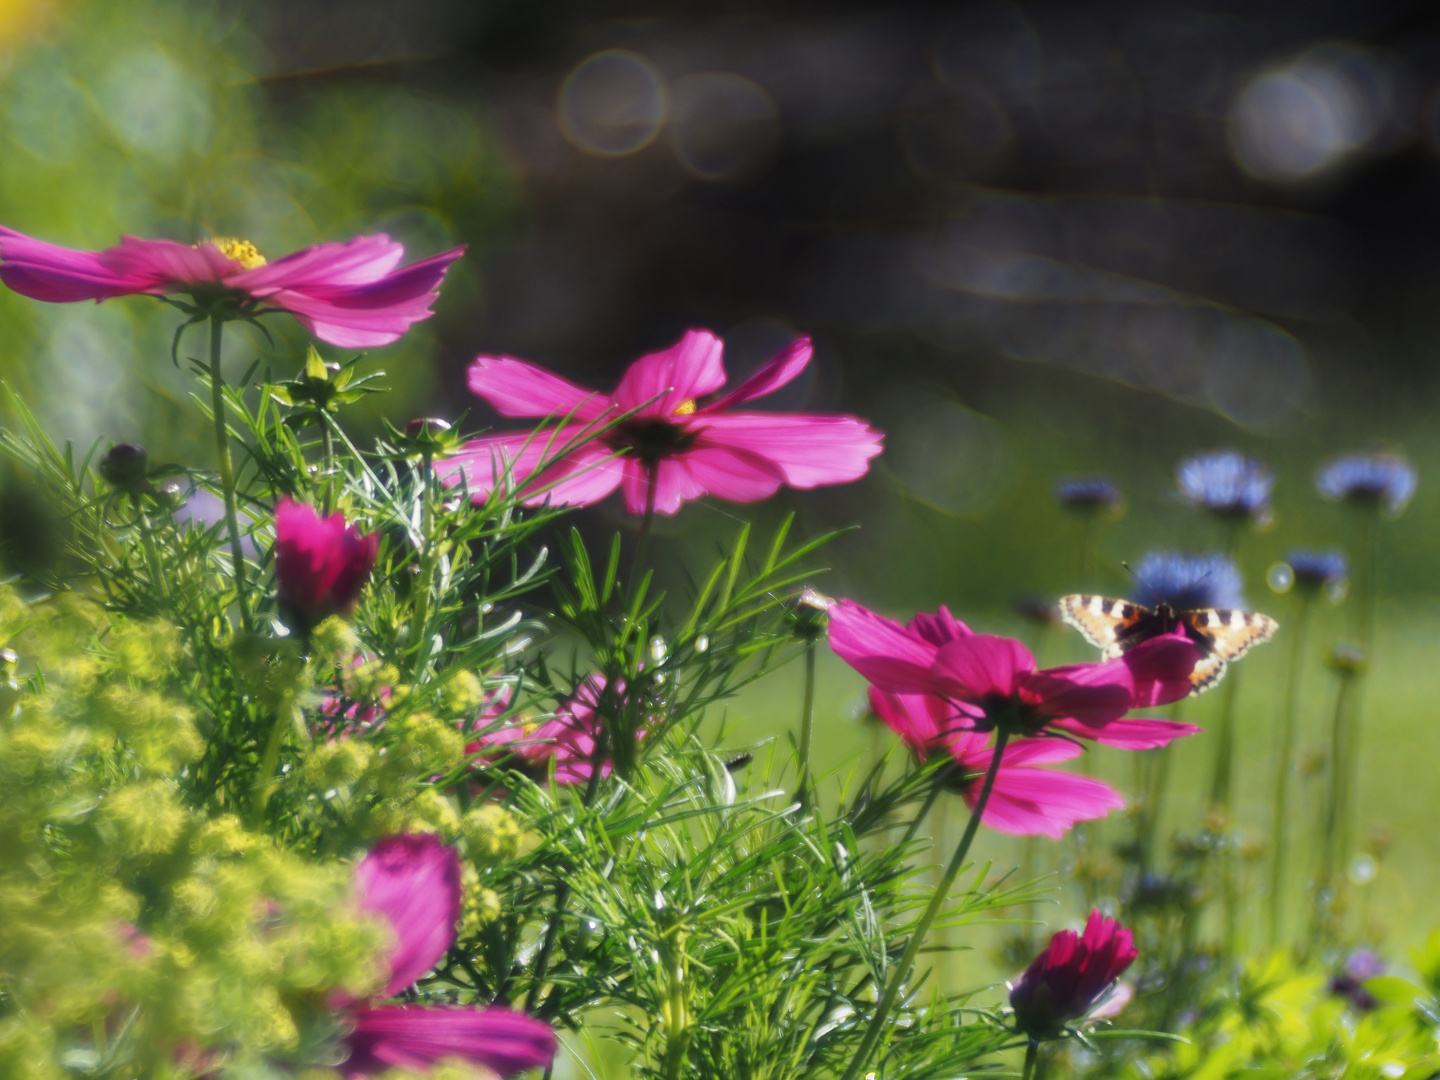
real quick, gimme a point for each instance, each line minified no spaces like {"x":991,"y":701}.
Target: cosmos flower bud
{"x":124,"y":466}
{"x":321,"y":564}
{"x":809,"y":615}
{"x":1071,"y":976}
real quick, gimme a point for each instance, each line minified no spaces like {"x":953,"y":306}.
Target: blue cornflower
{"x":1368,"y":479}
{"x":1227,"y":484}
{"x":1187,"y":582}
{"x":1316,"y":570}
{"x":1088,"y":495}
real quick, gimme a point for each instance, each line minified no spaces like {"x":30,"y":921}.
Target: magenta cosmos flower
{"x":674,"y":446}
{"x":413,"y":882}
{"x":986,"y":681}
{"x":567,"y":739}
{"x":354,"y":294}
{"x":1070,"y":977}
{"x":321,"y":564}
{"x":1026,"y":799}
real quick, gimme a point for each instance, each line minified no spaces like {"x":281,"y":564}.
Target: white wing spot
{"x":1097,"y":605}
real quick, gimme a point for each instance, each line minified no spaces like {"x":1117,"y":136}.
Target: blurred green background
{"x":1029,"y":241}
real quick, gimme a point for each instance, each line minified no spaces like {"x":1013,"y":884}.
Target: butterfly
{"x":1114,"y":626}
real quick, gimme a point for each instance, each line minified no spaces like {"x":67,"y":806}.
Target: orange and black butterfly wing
{"x":1112,"y":626}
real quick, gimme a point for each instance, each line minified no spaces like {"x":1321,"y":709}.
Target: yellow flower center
{"x":685,"y":408}
{"x":241,"y":251}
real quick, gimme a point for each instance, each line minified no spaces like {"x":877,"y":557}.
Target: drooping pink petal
{"x":674,"y":486}
{"x":60,"y":275}
{"x":413,"y":881}
{"x":908,"y":715}
{"x":517,"y":388}
{"x":1043,"y":802}
{"x":565,"y":466}
{"x":981,"y":665}
{"x":783,"y":368}
{"x":938,"y":628}
{"x":360,"y":261}
{"x":1039,"y":751}
{"x":880,"y":649}
{"x":689,"y":369}
{"x":809,"y":450}
{"x":1094,"y":706}
{"x":730,"y":474}
{"x":1128,"y":734}
{"x":415,"y":1038}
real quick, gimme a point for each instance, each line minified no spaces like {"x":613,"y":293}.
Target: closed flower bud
{"x":491,"y":832}
{"x":321,"y":564}
{"x":124,"y":467}
{"x":1070,"y":977}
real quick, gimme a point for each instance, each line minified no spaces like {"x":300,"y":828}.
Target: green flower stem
{"x":642,"y":545}
{"x":327,"y":458}
{"x":1332,"y":842}
{"x":807,"y":727}
{"x":1032,"y":1055}
{"x":424,"y":584}
{"x":922,"y":926}
{"x":265,"y":776}
{"x":1222,"y":782}
{"x":227,"y":469}
{"x":1279,"y":828}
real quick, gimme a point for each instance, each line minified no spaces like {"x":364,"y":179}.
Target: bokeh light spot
{"x":613,"y":103}
{"x":154,"y":106}
{"x":723,"y":126}
{"x":1293,"y":122}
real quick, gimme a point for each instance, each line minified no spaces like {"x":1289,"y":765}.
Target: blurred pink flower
{"x":567,"y":739}
{"x":688,"y":446}
{"x":1070,"y":976}
{"x":984,"y":680}
{"x":413,"y":882}
{"x":321,"y":564}
{"x":1026,"y":800}
{"x":349,"y":294}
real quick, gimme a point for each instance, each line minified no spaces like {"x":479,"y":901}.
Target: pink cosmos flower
{"x":348,"y":294}
{"x":1026,"y":800}
{"x":1071,"y":976}
{"x":567,"y":739}
{"x":321,"y":564}
{"x":413,"y":882}
{"x":984,"y":680}
{"x":674,"y":448}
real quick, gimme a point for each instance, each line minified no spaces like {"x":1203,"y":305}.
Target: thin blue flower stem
{"x":227,"y":469}
{"x":927,"y":917}
{"x":1280,"y":826}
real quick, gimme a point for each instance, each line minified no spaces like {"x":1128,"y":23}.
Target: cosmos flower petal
{"x":361,"y":261}
{"x":939,"y":628}
{"x":732,"y":474}
{"x":1159,"y":669}
{"x":538,"y":462}
{"x":980,"y":665}
{"x":415,"y":1038}
{"x":165,"y":262}
{"x":518,"y":388}
{"x":664,"y":381}
{"x":1040,"y":751}
{"x":1070,"y":976}
{"x":674,"y":486}
{"x":809,"y":450}
{"x":413,"y":881}
{"x":880,"y":649}
{"x":782,"y":369}
{"x":908,"y":715}
{"x":1129,"y":734}
{"x":61,"y":275}
{"x":1043,"y":802}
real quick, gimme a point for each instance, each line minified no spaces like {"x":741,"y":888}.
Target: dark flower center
{"x":652,"y":438}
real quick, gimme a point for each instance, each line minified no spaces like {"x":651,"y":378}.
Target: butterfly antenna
{"x":1154,"y":596}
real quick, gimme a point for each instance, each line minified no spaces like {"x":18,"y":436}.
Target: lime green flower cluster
{"x":1284,"y":1020}
{"x":139,"y":936}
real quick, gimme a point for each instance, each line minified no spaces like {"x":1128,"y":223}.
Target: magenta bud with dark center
{"x":321,"y":564}
{"x":1071,"y":976}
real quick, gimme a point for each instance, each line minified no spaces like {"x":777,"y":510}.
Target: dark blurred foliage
{"x":1030,"y":239}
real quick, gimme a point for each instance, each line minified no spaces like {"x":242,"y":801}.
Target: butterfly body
{"x":1221,"y":634}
